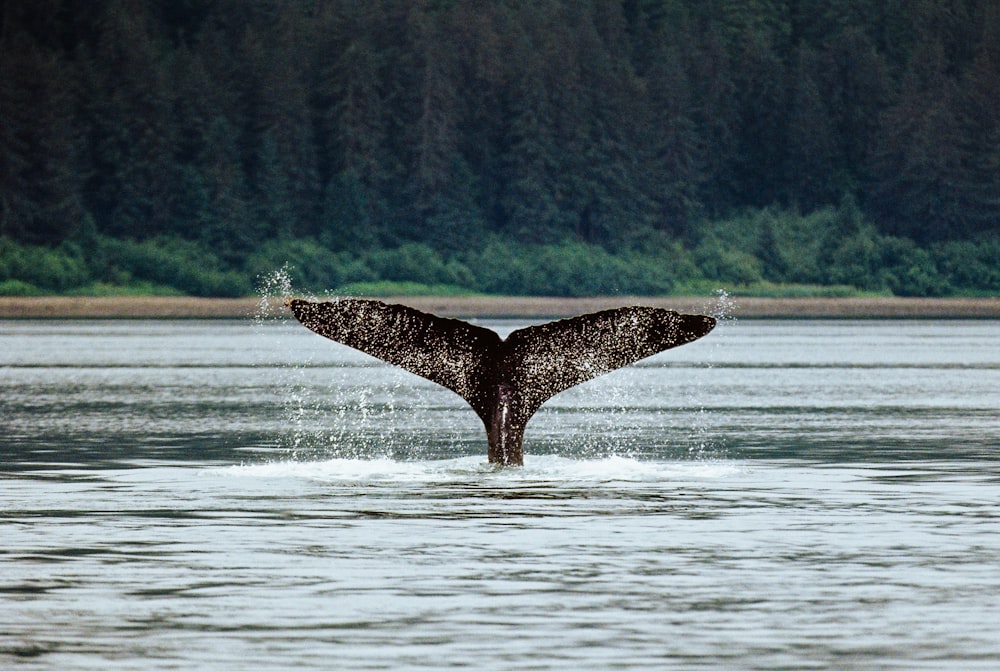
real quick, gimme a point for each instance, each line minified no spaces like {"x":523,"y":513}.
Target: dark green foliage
{"x":39,"y":191}
{"x":571,"y":269}
{"x":728,"y":265}
{"x":166,"y":261}
{"x":392,"y":139}
{"x":970,"y":265}
{"x":19,"y":288}
{"x":830,"y":252}
{"x":908,"y":270}
{"x":308,"y":264}
{"x":416,"y":263}
{"x":51,"y":270}
{"x":383,"y":288}
{"x":855,"y":260}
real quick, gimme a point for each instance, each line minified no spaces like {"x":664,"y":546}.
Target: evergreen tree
{"x":39,"y":183}
{"x":978,"y":185}
{"x":853,"y":84}
{"x":762,"y":106}
{"x":127,"y":105}
{"x":445,"y":188}
{"x":363,"y":112}
{"x":531,"y":169}
{"x":229,"y":229}
{"x":678,"y":167}
{"x":810,"y":170}
{"x":716,"y":119}
{"x":918,"y":159}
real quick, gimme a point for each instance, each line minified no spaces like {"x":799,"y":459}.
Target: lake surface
{"x":231,"y":495}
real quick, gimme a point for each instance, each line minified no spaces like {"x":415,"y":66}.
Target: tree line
{"x":626,"y":127}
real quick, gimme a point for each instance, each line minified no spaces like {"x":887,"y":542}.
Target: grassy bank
{"x":532,"y":307}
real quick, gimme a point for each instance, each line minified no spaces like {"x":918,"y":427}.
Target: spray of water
{"x":723,"y":307}
{"x":705,"y":443}
{"x":272,"y":290}
{"x":299,"y":403}
{"x":328,"y":409}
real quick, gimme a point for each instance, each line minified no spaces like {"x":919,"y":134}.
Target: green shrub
{"x":500,"y":267}
{"x":798,"y":245}
{"x":856,"y":260}
{"x":19,"y":288}
{"x":772,"y":290}
{"x":135,"y":288}
{"x":174,"y":262}
{"x":832,"y":245}
{"x":770,"y":251}
{"x":387,"y":288}
{"x":48,"y":269}
{"x":970,"y":265}
{"x":571,"y":269}
{"x":909,"y":270}
{"x":419,"y":263}
{"x":309,"y":264}
{"x":722,"y":263}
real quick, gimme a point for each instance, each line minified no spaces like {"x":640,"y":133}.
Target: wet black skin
{"x":504,"y":380}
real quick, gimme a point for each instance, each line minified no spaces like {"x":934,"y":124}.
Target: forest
{"x":563,"y":147}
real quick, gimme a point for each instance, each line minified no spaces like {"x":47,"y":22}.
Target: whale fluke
{"x":504,"y":380}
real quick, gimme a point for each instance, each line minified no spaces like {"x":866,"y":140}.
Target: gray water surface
{"x":224,"y":495}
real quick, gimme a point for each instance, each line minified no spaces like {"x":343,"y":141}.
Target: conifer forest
{"x":564,"y":147}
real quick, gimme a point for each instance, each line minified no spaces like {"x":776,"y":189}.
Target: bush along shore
{"x":832,"y":252}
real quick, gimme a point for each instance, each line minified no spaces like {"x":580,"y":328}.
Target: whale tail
{"x":505,"y":381}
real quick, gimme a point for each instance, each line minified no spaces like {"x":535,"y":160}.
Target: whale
{"x":505,"y":380}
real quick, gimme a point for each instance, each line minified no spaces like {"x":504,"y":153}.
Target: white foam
{"x":335,"y":469}
{"x":548,"y":468}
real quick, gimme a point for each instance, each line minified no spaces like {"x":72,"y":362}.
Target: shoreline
{"x":180,"y":307}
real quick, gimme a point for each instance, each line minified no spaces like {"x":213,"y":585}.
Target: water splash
{"x":327,"y":410}
{"x":704,"y":443}
{"x":723,"y":307}
{"x":275,"y":285}
{"x":300,"y":406}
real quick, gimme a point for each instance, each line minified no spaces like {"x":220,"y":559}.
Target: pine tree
{"x":127,"y":107}
{"x":716,"y":123}
{"x":677,"y":165}
{"x":978,"y":112}
{"x":229,"y":230}
{"x":445,"y":189}
{"x":809,"y":159}
{"x":39,"y":179}
{"x":917,"y":162}
{"x":762,"y":105}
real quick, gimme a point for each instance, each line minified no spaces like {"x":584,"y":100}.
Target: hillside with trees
{"x":556,"y":146}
